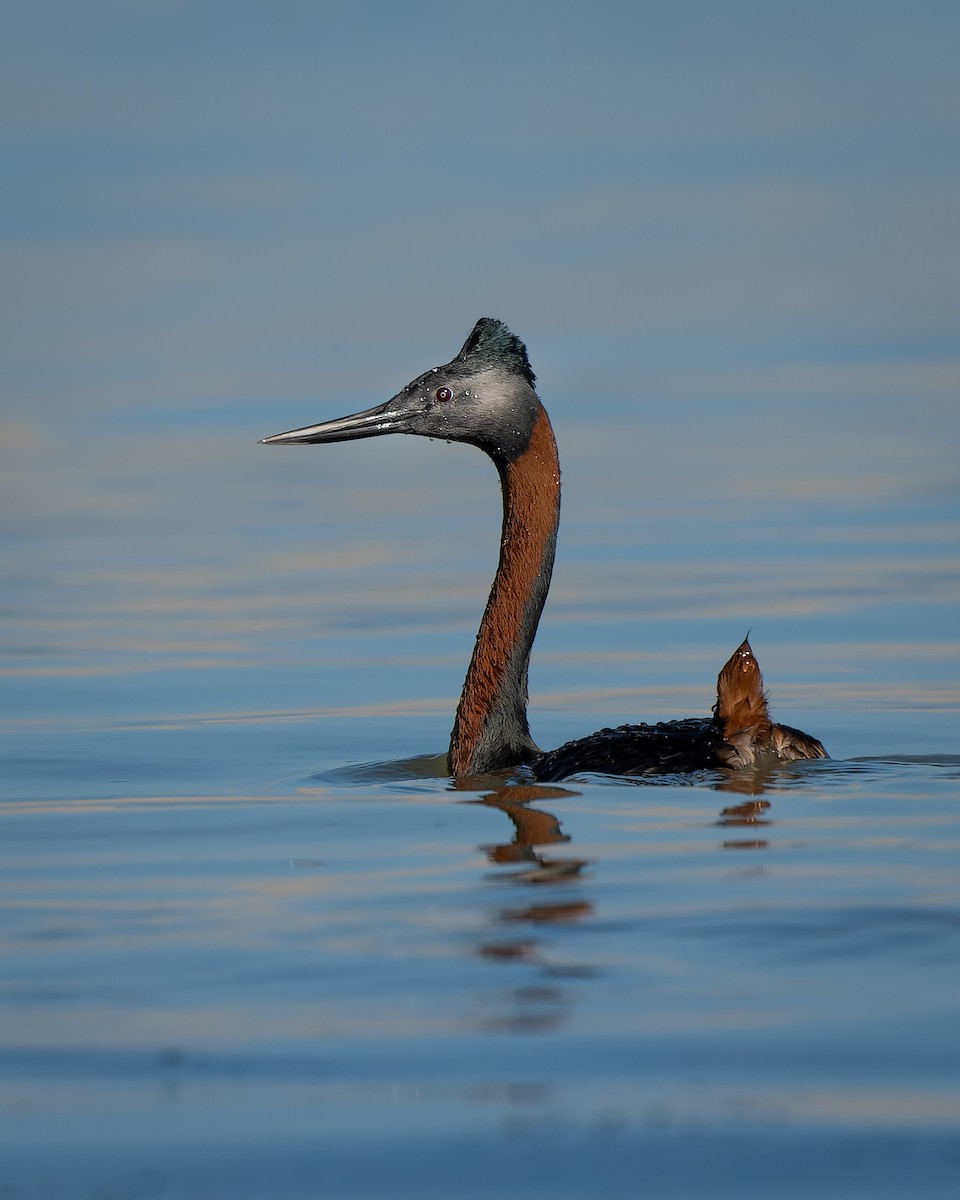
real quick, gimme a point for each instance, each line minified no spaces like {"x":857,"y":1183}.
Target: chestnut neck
{"x":490,"y":732}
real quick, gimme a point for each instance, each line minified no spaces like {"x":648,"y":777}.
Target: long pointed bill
{"x":385,"y":418}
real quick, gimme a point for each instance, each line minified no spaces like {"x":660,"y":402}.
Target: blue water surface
{"x":253,"y":941}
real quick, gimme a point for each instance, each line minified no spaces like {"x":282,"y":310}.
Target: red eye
{"x":443,"y":394}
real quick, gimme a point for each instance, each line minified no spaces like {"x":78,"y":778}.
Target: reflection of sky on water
{"x":728,"y":235}
{"x":217,"y":210}
{"x":729,"y":240}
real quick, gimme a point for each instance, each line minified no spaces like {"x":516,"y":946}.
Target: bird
{"x":738,"y":733}
{"x":486,"y":397}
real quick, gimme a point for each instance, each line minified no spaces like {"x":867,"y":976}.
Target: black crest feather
{"x":492,"y":344}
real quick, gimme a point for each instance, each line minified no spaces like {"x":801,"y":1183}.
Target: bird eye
{"x":443,"y":394}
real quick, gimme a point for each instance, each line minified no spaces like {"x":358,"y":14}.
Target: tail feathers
{"x":790,"y":743}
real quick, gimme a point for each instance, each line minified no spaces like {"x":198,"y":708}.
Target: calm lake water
{"x":255,"y":944}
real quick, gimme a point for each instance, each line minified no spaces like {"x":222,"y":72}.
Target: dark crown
{"x":492,"y":344}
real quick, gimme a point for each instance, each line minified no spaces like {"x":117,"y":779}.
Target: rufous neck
{"x":490,"y":732}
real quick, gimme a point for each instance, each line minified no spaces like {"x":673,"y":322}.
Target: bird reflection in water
{"x":532,"y":828}
{"x":530,"y":860}
{"x":540,"y":1008}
